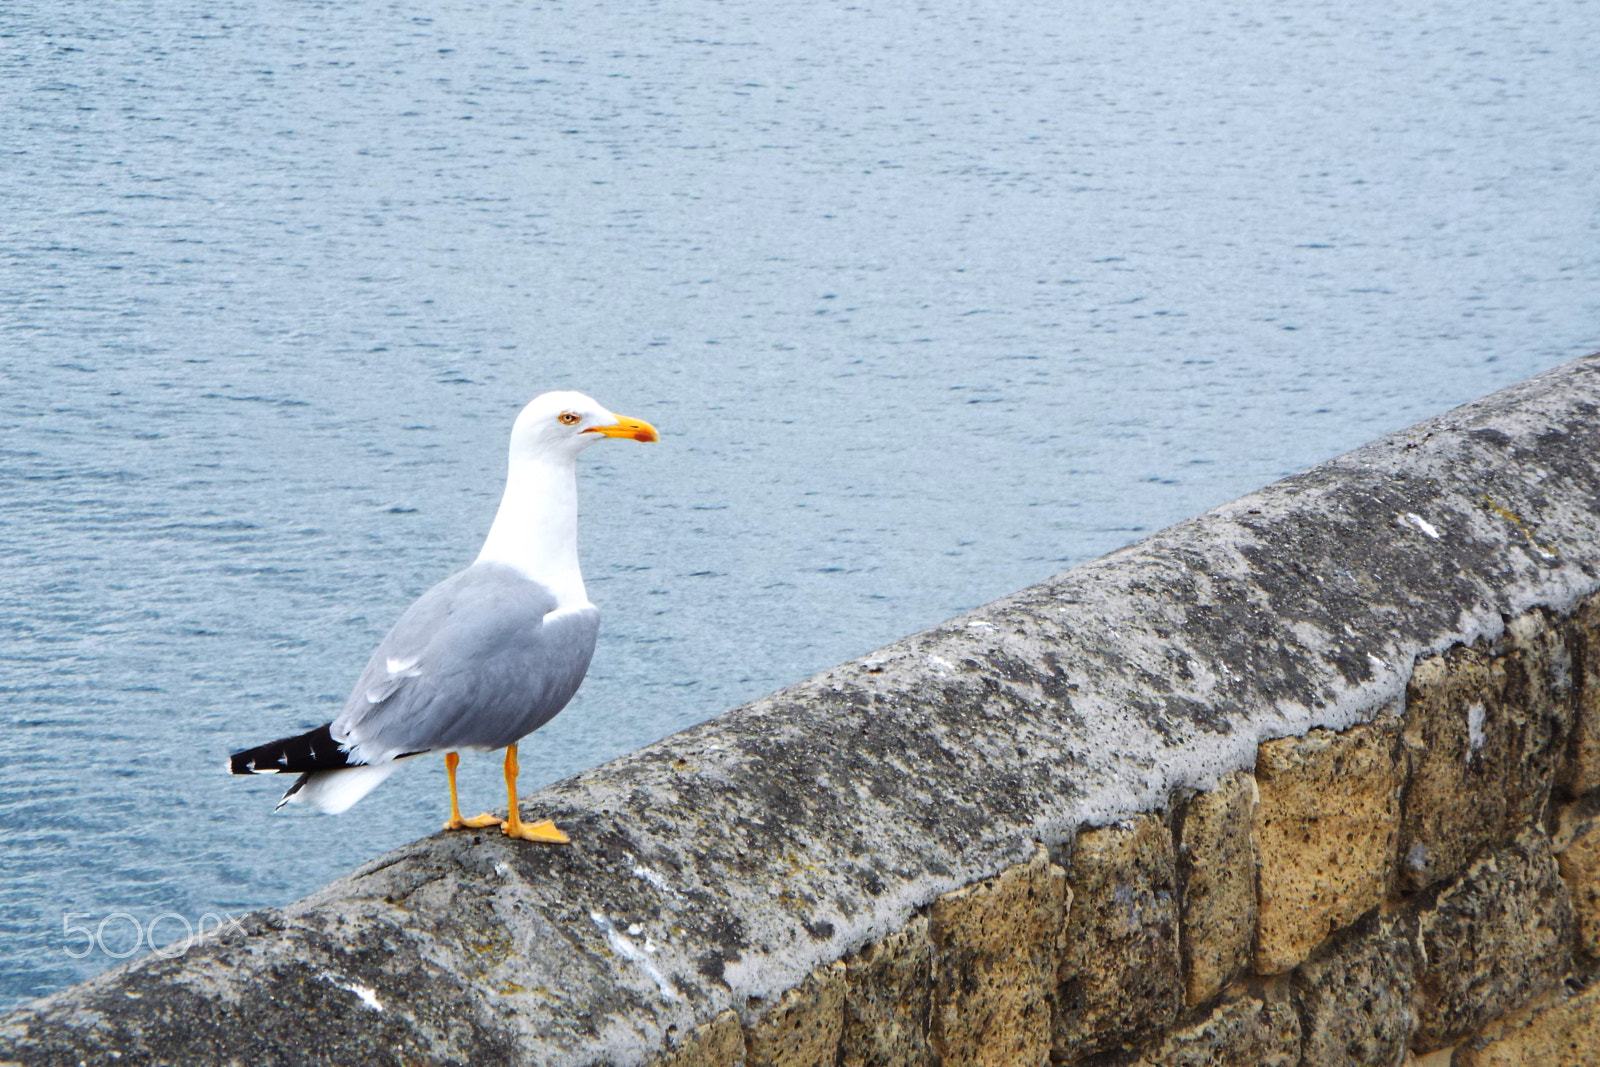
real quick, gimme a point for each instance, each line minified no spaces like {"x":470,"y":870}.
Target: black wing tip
{"x":314,"y":750}
{"x":293,"y":789}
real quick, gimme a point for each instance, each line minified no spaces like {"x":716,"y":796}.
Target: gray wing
{"x":478,"y":661}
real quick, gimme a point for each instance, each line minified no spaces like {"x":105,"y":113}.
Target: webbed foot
{"x":544,"y":831}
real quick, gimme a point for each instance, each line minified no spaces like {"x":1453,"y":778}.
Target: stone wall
{"x":1421,"y":888}
{"x":1311,"y":779}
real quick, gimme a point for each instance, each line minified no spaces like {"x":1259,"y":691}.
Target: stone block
{"x":1538,"y":692}
{"x":1324,"y":836}
{"x":996,"y":948}
{"x":1577,"y":846}
{"x":1355,"y":998}
{"x":719,"y":1043}
{"x":804,"y":1028}
{"x":888,"y":992}
{"x":1501,"y":933}
{"x":1121,"y":972}
{"x":1243,"y":1031}
{"x":1437,"y":1058}
{"x":1581,"y":772}
{"x":1564,"y":1033}
{"x":1486,"y":727}
{"x":1455,"y":804}
{"x":1217,"y":886}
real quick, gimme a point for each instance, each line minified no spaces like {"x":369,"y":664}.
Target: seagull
{"x":485,"y":657}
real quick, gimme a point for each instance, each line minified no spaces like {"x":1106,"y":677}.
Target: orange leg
{"x":451,"y":760}
{"x":543,"y":831}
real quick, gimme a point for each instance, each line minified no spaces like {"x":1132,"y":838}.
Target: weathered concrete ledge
{"x":1313,"y":778}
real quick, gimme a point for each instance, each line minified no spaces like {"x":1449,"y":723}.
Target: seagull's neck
{"x":536,"y":528}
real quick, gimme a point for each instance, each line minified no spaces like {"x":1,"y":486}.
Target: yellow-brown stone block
{"x":803,"y":1030}
{"x":719,"y":1043}
{"x":996,"y":948}
{"x":1493,"y":939}
{"x":1217,"y":879}
{"x":888,"y":993}
{"x":1121,"y":971}
{"x":1581,"y":774}
{"x":1577,"y":842}
{"x":1565,"y":1033}
{"x":1354,"y":998}
{"x":1539,"y":691}
{"x":1243,"y":1031}
{"x":1486,"y":728}
{"x":1454,"y":806}
{"x":1324,"y":834}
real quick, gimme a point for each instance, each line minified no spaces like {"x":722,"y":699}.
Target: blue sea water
{"x":929,"y":301}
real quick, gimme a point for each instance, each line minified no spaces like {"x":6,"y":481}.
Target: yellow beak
{"x":637,"y":429}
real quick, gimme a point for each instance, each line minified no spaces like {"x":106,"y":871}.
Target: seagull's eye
{"x":569,"y":418}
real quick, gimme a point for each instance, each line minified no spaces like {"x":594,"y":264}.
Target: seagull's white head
{"x":562,"y":424}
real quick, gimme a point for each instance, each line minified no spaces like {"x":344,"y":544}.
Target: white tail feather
{"x":331,"y":792}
